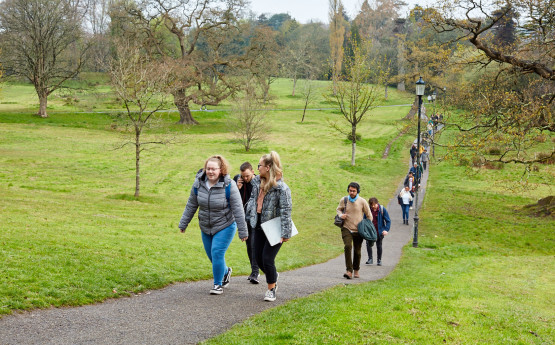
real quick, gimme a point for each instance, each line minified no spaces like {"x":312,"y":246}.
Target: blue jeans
{"x":405,"y":209}
{"x":215,"y":246}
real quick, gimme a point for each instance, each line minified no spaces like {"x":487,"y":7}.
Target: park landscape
{"x":75,"y":232}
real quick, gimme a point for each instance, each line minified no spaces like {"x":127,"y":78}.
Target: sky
{"x":305,"y":10}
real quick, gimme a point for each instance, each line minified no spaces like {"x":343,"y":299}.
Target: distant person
{"x":425,"y":157}
{"x":413,"y":151}
{"x":410,"y":181}
{"x":270,"y":198}
{"x":430,"y":128}
{"x":217,"y":198}
{"x":244,"y":183}
{"x":382,"y":223}
{"x":352,"y":213}
{"x":405,"y":199}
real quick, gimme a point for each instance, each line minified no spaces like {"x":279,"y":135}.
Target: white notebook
{"x":272,"y":229}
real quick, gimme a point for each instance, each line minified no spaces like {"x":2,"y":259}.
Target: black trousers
{"x":378,"y":247}
{"x":250,"y":249}
{"x":265,"y":254}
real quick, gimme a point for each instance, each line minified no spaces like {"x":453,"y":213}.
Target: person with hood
{"x":270,"y":198}
{"x":382,"y":223}
{"x":217,"y":198}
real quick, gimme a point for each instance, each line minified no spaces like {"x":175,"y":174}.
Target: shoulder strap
{"x":345,"y":202}
{"x":228,"y":194}
{"x":195,"y":189}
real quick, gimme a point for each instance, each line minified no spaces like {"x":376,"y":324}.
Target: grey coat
{"x":214,"y":213}
{"x":277,"y":203}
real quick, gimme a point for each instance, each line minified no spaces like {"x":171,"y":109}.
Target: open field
{"x":72,"y":233}
{"x":484,"y":273}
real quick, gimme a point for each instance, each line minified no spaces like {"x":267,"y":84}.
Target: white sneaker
{"x":217,"y":290}
{"x":270,"y":295}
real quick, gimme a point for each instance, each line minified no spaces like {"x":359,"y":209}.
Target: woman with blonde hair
{"x":217,"y":197}
{"x":270,"y":198}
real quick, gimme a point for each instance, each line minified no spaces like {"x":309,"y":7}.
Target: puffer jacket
{"x":277,"y":203}
{"x":214,"y":213}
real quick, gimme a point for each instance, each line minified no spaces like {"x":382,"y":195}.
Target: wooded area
{"x":493,"y":60}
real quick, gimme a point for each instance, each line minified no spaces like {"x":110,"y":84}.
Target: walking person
{"x":382,"y":223}
{"x":244,"y":183}
{"x":270,"y":198}
{"x":425,"y":157}
{"x":352,"y":211}
{"x":217,"y":198}
{"x":413,"y":151}
{"x":405,"y":199}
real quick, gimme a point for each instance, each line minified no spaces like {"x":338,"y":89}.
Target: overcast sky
{"x":305,"y":10}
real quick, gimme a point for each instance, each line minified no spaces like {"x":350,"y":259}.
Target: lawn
{"x":484,"y":273}
{"x":73,"y":234}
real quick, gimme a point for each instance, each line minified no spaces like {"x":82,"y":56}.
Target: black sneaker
{"x":253,"y":278}
{"x":370,"y":261}
{"x":379,"y":262}
{"x":227,"y":277}
{"x":217,"y":290}
{"x":270,"y":295}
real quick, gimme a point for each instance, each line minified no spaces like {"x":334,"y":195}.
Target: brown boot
{"x":355,"y":275}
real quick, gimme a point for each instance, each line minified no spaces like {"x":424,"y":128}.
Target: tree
{"x":248,"y":117}
{"x":337,"y":36}
{"x":190,"y":35}
{"x":38,"y":39}
{"x":355,"y":96}
{"x":140,"y":82}
{"x":514,"y":92}
{"x":309,"y":93}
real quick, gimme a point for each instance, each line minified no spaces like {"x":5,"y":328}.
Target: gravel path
{"x":185,"y":313}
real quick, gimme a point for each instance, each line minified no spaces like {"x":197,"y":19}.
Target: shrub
{"x":350,"y":137}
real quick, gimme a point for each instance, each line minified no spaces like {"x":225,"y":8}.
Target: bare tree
{"x":354,"y":95}
{"x":190,"y":35}
{"x":248,"y":117}
{"x":309,"y":93}
{"x":39,"y":39}
{"x":140,"y":83}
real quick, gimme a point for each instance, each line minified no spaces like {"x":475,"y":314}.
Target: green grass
{"x":484,"y":273}
{"x":72,"y":233}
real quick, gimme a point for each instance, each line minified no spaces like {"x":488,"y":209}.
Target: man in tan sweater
{"x":352,"y":213}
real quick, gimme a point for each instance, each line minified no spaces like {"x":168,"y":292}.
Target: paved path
{"x":185,"y":313}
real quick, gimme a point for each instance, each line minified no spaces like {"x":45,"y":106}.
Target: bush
{"x":547,"y":156}
{"x":494,"y":151}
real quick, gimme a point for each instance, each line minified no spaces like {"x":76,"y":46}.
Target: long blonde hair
{"x":275,"y":171}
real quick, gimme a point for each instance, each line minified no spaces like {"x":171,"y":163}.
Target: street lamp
{"x":434,"y":122}
{"x":420,"y":88}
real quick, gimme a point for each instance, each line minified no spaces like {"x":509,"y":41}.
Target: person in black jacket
{"x":413,"y":151}
{"x":244,"y":184}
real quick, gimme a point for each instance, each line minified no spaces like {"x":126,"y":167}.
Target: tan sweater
{"x":355,"y":211}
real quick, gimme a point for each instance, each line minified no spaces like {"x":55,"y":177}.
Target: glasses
{"x":212,"y":169}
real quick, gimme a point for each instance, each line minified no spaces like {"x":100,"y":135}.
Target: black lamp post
{"x":420,"y":88}
{"x":434,"y":124}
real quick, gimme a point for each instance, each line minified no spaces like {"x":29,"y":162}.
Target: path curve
{"x":185,"y":313}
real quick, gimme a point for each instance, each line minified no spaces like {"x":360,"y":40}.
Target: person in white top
{"x":405,"y":200}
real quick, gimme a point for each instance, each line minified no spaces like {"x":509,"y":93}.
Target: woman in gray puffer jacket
{"x":216,"y":196}
{"x":270,"y":198}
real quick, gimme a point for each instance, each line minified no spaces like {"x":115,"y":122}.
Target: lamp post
{"x":420,"y":88}
{"x":434,"y":124}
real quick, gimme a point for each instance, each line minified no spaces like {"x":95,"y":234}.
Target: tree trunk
{"x":294,"y":84}
{"x":354,"y":145}
{"x":137,"y":163}
{"x":182,"y":103}
{"x":43,"y":100}
{"x":385,"y":92}
{"x":354,"y":148}
{"x":304,"y":111}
